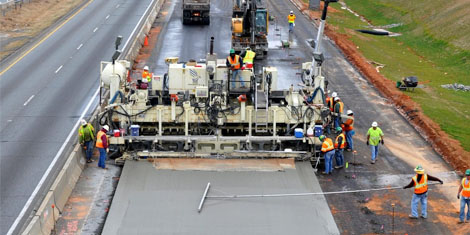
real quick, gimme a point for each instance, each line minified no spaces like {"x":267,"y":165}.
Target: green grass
{"x":421,"y":51}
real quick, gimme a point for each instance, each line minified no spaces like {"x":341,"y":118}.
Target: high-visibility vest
{"x":466,"y":187}
{"x":89,"y":130}
{"x":331,"y":103}
{"x":340,"y":106}
{"x":343,"y":141}
{"x":249,"y":56}
{"x":235,"y":62}
{"x":349,"y":124}
{"x":291,"y":18}
{"x":327,"y":145}
{"x":146,"y":76}
{"x":99,"y":141}
{"x":422,"y":186}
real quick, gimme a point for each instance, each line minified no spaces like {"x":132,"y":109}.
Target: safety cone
{"x":146,"y":41}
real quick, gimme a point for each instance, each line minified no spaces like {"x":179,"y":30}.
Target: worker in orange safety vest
{"x":340,"y":143}
{"x":348,"y":128}
{"x":146,"y":78}
{"x":291,"y":21}
{"x":465,"y":199}
{"x":328,"y":150}
{"x":339,"y":111}
{"x":102,"y":145}
{"x":235,"y":63}
{"x":420,"y":183}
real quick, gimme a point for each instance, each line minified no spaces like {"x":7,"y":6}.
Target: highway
{"x":45,"y":92}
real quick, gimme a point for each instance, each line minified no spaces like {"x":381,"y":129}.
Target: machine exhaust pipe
{"x":212,"y":46}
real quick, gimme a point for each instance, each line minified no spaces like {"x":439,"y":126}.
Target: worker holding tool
{"x":348,"y":127}
{"x":340,"y":143}
{"x":339,"y":111}
{"x":86,"y":136}
{"x":420,"y":182}
{"x":465,"y":198}
{"x":248,"y":57}
{"x":291,"y":20}
{"x":374,"y":137}
{"x":102,"y":145}
{"x":146,"y":78}
{"x":235,"y":63}
{"x":328,"y":150}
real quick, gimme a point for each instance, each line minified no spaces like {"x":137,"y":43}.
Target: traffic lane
{"x":58,"y":103}
{"x":192,"y":41}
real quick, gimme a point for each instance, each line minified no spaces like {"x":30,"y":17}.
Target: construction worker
{"x":146,"y":78}
{"x":291,"y":20}
{"x":328,"y":150}
{"x":330,"y":101}
{"x":338,"y":110}
{"x":248,"y":57}
{"x":102,"y":145}
{"x":465,"y":200}
{"x":235,"y":63}
{"x":340,"y":143}
{"x":420,"y":183}
{"x":86,"y":136}
{"x":374,"y":136}
{"x":348,"y":127}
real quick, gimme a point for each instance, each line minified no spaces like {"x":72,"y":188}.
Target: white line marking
{"x":59,"y":69}
{"x":117,"y":6}
{"x":30,"y":98}
{"x":94,"y":30}
{"x":10,"y":120}
{"x":107,"y":16}
{"x":78,"y":48}
{"x":137,"y":25}
{"x":51,"y":166}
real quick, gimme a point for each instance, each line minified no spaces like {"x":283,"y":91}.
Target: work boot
{"x":461,"y":222}
{"x":324,"y":173}
{"x":372,"y":162}
{"x":424,"y":217}
{"x":338,"y":167}
{"x":349,"y":150}
{"x":412,"y":217}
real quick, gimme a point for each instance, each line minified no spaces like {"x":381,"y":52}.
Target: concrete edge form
{"x":43,"y":222}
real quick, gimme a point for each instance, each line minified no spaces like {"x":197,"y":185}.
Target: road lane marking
{"x":30,"y":98}
{"x":51,"y":166}
{"x":117,"y":6}
{"x":78,"y":48}
{"x":44,"y":39}
{"x":107,"y":16}
{"x":94,"y":30}
{"x":59,"y":69}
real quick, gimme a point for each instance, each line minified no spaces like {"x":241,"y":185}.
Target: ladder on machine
{"x":261,"y":109}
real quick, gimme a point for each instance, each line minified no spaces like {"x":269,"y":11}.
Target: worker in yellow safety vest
{"x":338,"y":109}
{"x":102,"y":145}
{"x":248,"y":57}
{"x":420,"y":183}
{"x":291,"y":20}
{"x":235,"y":63}
{"x":328,"y":150}
{"x":340,"y":143}
{"x":86,"y":136}
{"x":465,"y":199}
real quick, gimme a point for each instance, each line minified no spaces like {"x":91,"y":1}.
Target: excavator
{"x":250,"y":26}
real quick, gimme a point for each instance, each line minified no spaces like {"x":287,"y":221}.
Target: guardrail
{"x":43,"y":220}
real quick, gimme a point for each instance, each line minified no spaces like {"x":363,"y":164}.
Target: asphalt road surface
{"x":43,"y":95}
{"x":404,"y":147}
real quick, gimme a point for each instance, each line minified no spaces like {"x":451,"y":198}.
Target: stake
{"x":354,"y":164}
{"x":203,"y":197}
{"x":393,"y":218}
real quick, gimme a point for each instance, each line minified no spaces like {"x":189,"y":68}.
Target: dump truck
{"x":196,"y":11}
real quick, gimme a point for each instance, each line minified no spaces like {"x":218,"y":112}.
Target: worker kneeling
{"x":328,"y":150}
{"x":235,"y":63}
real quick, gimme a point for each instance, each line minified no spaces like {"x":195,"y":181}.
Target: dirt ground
{"x":20,"y":26}
{"x":449,"y":148}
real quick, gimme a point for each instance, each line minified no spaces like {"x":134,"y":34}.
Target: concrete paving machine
{"x":196,"y":11}
{"x":250,"y":26}
{"x":193,"y":111}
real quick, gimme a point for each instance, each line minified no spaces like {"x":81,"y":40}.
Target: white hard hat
{"x":349,"y":112}
{"x":83,"y":122}
{"x":337,"y":98}
{"x":248,"y":48}
{"x":374,"y":124}
{"x":334,"y":94}
{"x":146,"y":67}
{"x":106,"y":127}
{"x":292,"y":12}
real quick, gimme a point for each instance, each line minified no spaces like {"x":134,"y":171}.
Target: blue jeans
{"x":291,"y":27}
{"x":337,"y":122}
{"x":101,"y":162}
{"x":349,"y":139}
{"x":89,"y":149}
{"x":423,"y":198}
{"x":339,"y":157}
{"x":464,"y":202}
{"x":329,"y":161}
{"x":235,"y":74}
{"x":374,"y":149}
